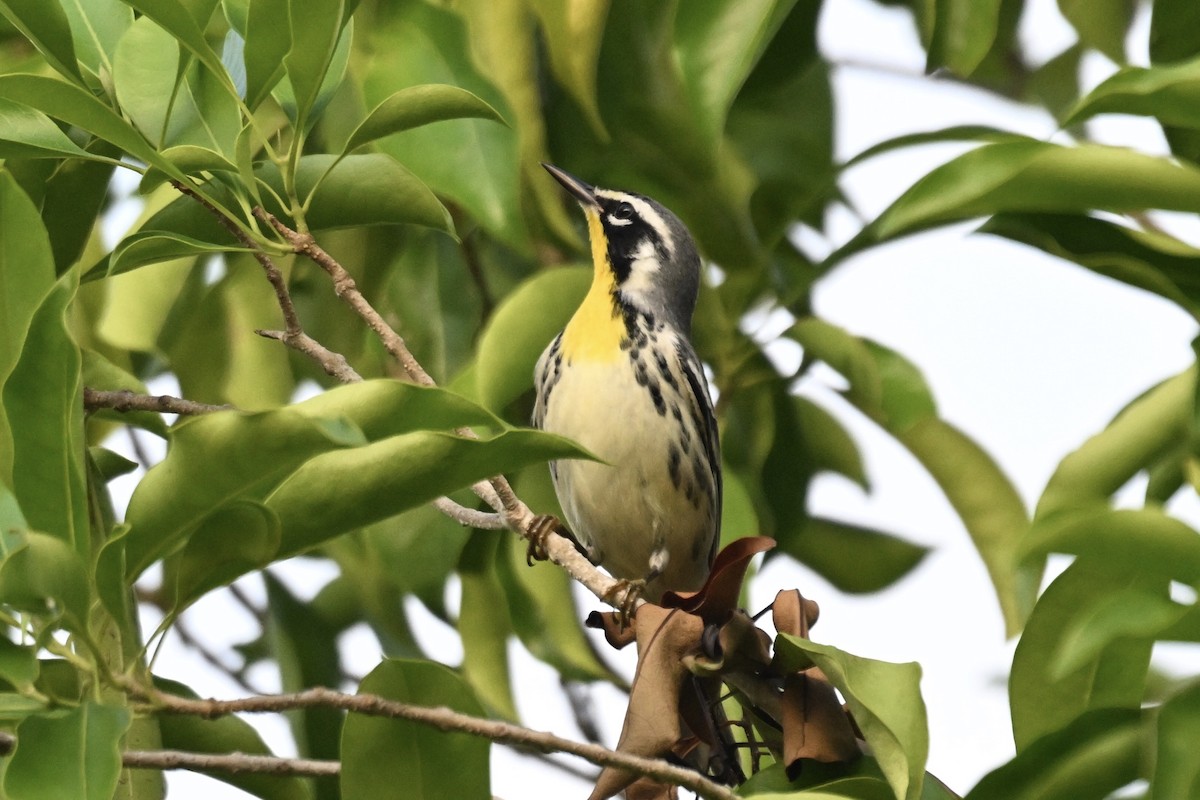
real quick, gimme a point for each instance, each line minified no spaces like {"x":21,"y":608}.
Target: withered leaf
{"x":718,"y":597}
{"x":815,"y":725}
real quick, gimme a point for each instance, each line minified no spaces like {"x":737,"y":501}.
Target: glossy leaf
{"x":236,"y":538}
{"x":305,"y":647}
{"x":854,"y":558}
{"x":1169,"y":93}
{"x":146,"y":73}
{"x":416,"y":106}
{"x":22,"y":291}
{"x":97,"y":26}
{"x":380,"y":754}
{"x":18,"y":664}
{"x":827,"y":444}
{"x":339,"y":491}
{"x":40,"y":573}
{"x":230,"y":734}
{"x":45,"y":25}
{"x":1146,"y":429}
{"x":315,"y":30}
{"x":1102,"y":25}
{"x":73,"y":754}
{"x":484,"y":625}
{"x":1093,"y":756}
{"x":1176,"y":773}
{"x":173,"y":17}
{"x":153,"y":247}
{"x":28,"y":133}
{"x":43,"y":403}
{"x":959,"y":33}
{"x":472,"y":162}
{"x":227,"y":457}
{"x":1034,"y":176}
{"x":1148,"y":260}
{"x":885,"y":699}
{"x":988,"y":504}
{"x":365,"y":189}
{"x":1140,"y":609}
{"x":573,"y":32}
{"x":267,"y":43}
{"x":76,"y":106}
{"x":520,"y":328}
{"x":1044,"y":701}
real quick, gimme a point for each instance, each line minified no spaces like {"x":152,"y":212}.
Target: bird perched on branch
{"x":623,"y":380}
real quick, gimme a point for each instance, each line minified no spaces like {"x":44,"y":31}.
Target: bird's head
{"x":640,"y":246}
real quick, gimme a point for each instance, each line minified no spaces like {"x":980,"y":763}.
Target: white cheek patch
{"x":642,"y":268}
{"x":614,"y":220}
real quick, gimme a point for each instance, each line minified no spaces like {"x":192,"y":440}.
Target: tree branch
{"x":125,"y":400}
{"x":444,"y":719}
{"x":210,"y":762}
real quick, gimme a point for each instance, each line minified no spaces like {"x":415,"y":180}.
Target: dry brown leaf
{"x":718,"y":598}
{"x":652,"y":721}
{"x":617,"y":634}
{"x":650,"y":789}
{"x":814,"y":724}
{"x":793,"y":614}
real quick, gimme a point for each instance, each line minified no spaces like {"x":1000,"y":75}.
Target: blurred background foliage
{"x":407,"y":135}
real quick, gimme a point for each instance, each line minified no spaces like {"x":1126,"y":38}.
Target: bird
{"x":623,"y":380}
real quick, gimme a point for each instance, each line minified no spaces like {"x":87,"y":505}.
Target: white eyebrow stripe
{"x":644,"y":210}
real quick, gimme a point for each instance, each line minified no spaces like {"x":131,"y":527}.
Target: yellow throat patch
{"x":596,"y":330}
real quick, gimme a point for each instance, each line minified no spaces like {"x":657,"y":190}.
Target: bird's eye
{"x":622,"y":214}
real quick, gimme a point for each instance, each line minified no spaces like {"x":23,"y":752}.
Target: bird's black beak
{"x":581,"y":191}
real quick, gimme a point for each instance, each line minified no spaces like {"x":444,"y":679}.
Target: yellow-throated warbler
{"x":623,"y":380}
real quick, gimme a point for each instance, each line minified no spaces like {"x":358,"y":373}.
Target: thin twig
{"x":469,"y":517}
{"x":210,"y":762}
{"x":126,"y":400}
{"x":232,"y":762}
{"x":444,"y":719}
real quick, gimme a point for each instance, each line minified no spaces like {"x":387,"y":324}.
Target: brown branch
{"x":231,"y":762}
{"x":209,"y":762}
{"x":444,"y":719}
{"x":125,"y":400}
{"x":334,"y":364}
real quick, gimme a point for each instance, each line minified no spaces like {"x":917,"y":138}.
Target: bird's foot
{"x":543,"y":525}
{"x":624,"y":597}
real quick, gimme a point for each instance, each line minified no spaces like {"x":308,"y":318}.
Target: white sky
{"x":1025,"y":353}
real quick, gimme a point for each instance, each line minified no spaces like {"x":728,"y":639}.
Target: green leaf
{"x":229,"y":456}
{"x":28,"y":133}
{"x":716,"y":46}
{"x":45,"y":25}
{"x":1176,"y":773}
{"x":173,"y":17}
{"x":1093,"y":756}
{"x":339,"y":491}
{"x":827,"y":444}
{"x":1174,"y":30}
{"x":853,"y":558}
{"x":97,"y":26}
{"x":955,"y":133}
{"x":43,"y":403}
{"x":885,"y":699}
{"x":267,"y":43}
{"x":1156,"y":542}
{"x":989,"y":506}
{"x":959,"y":33}
{"x":472,"y":162}
{"x":520,"y":328}
{"x":76,"y":106}
{"x":236,"y":538}
{"x":18,"y":664}
{"x":1102,"y":24}
{"x":315,"y":27}
{"x":1149,"y":427}
{"x":1042,"y":700}
{"x":484,"y":625}
{"x":573,"y":31}
{"x":416,"y":106}
{"x":1033,"y":176}
{"x":1150,"y":260}
{"x":42,"y":574}
{"x":153,"y":247}
{"x":305,"y":647}
{"x":26,"y":279}
{"x":366,"y":189}
{"x":229,"y":734}
{"x":1168,"y":93}
{"x":74,"y":754}
{"x":380,"y":754}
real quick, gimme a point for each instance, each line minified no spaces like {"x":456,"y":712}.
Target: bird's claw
{"x":543,"y":525}
{"x":624,"y":596}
